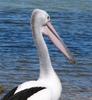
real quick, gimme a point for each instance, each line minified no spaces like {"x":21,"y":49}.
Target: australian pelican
{"x":48,"y":85}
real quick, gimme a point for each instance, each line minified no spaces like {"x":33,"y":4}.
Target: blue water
{"x":18,"y":56}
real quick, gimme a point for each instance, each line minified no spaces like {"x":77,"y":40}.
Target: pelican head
{"x":40,"y":17}
{"x":41,"y":20}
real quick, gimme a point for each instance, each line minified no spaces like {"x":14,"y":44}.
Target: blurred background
{"x":18,"y":55}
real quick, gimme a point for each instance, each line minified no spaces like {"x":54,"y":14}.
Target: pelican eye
{"x":48,"y":17}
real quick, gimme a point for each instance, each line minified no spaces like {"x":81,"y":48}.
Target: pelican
{"x":48,"y":85}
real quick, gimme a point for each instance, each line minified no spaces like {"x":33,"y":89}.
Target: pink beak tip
{"x":72,"y":61}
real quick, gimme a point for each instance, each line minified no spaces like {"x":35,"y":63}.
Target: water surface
{"x":18,"y":55}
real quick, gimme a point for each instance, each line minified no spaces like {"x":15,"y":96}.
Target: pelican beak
{"x":49,"y":30}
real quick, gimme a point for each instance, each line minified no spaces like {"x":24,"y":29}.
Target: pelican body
{"x":48,"y":85}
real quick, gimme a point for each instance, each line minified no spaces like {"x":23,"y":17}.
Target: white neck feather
{"x":44,"y":58}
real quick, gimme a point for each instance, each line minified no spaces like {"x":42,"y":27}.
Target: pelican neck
{"x":44,"y":58}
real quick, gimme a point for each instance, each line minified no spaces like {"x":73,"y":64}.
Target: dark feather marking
{"x":24,"y":94}
{"x":9,"y":94}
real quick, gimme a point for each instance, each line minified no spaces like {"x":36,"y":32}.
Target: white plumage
{"x":48,"y":78}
